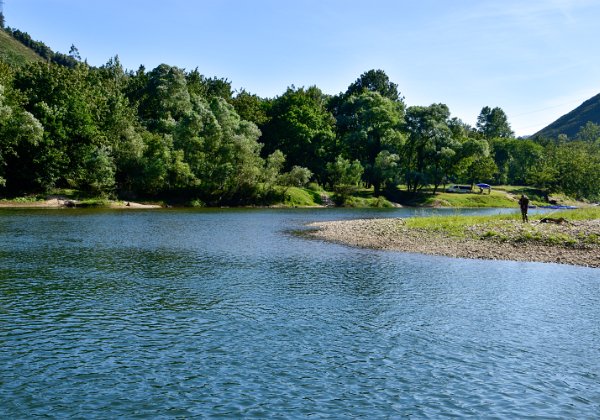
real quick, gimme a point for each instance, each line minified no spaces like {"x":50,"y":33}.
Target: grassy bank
{"x":509,"y":228}
{"x":500,"y":196}
{"x":315,"y":196}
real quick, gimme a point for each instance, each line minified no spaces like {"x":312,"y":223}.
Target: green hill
{"x":570,"y":123}
{"x":15,"y":53}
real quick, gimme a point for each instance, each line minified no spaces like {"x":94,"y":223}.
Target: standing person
{"x":524,"y":204}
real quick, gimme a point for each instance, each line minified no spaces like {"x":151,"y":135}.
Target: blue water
{"x":183,"y":314}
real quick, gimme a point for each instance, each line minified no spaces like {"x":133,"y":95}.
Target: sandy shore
{"x":61,"y":202}
{"x":394,"y":235}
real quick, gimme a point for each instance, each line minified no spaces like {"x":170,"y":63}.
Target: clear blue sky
{"x":536,"y":59}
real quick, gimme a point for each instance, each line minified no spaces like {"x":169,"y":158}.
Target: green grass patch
{"x":376,"y":202}
{"x":25,"y":199}
{"x":586,"y":213}
{"x":455,"y":225}
{"x":507,"y":227}
{"x":500,"y":196}
{"x":495,"y":199}
{"x":301,"y":197}
{"x":93,"y":203}
{"x":15,"y":53}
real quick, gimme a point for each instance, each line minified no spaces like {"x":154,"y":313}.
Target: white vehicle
{"x":459,"y":189}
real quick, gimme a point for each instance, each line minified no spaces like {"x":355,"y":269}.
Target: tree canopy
{"x":169,"y":132}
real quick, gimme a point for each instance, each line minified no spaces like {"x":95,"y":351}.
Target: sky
{"x":535,"y":59}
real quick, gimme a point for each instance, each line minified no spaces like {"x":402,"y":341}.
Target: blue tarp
{"x":484,"y":185}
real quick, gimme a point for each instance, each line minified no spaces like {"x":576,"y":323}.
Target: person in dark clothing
{"x":524,"y":204}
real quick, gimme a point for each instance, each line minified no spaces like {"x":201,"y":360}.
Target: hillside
{"x":570,"y":123}
{"x":15,"y":53}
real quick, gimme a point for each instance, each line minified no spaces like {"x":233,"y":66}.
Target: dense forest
{"x":171,"y":133}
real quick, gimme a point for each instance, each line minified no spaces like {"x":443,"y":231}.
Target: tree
{"x":589,"y":133}
{"x":296,"y":177}
{"x":369,"y":123}
{"x":165,"y":99}
{"x":482,"y":169}
{"x":69,"y":103}
{"x":493,"y":122}
{"x":208,"y":87}
{"x":374,"y":81}
{"x":20,"y":131}
{"x":524,"y":154}
{"x":74,"y":53}
{"x":386,"y":169}
{"x":344,"y":176}
{"x":302,"y":128}
{"x":251,"y":107}
{"x":430,"y":144}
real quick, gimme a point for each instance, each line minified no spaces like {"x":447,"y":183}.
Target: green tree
{"x":69,"y":103}
{"x":302,"y":128}
{"x":344,"y":176}
{"x":481,"y":169}
{"x":375,"y":81}
{"x":590,"y":133}
{"x":165,"y":99}
{"x":524,"y":154}
{"x":386,"y":169}
{"x":572,"y":168}
{"x":493,"y":122}
{"x":208,"y":87}
{"x":296,"y":177}
{"x":369,"y":123}
{"x":20,"y":132}
{"x":251,"y":107}
{"x":430,"y":146}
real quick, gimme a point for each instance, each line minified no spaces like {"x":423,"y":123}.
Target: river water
{"x":183,"y":314}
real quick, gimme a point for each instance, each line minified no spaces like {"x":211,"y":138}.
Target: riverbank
{"x":575,"y":242}
{"x":54,"y":203}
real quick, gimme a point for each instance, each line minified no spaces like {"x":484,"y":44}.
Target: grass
{"x":25,"y":199}
{"x":495,"y":199}
{"x":454,"y":225}
{"x":15,"y":53}
{"x":586,"y":213}
{"x":302,"y":197}
{"x":376,"y":202}
{"x":507,"y":227}
{"x":460,"y":221}
{"x":500,"y":196}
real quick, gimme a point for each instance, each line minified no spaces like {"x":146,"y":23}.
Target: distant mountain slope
{"x":570,"y":123}
{"x":15,"y":53}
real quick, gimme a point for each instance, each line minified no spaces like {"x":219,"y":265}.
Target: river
{"x":228,"y":313}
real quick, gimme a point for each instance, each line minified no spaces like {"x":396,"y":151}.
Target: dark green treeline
{"x":174,"y":133}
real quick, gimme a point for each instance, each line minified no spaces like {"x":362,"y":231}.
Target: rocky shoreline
{"x":53,"y":203}
{"x":579,"y":247}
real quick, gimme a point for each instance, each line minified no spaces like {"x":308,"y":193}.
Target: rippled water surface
{"x":180,"y":314}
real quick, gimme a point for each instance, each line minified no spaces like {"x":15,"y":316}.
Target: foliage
{"x":301,"y":197}
{"x":369,"y":123}
{"x":374,"y":81}
{"x":493,"y":122}
{"x":15,"y":53}
{"x":178,"y":134}
{"x":300,"y":125}
{"x":43,"y":50}
{"x":572,"y":168}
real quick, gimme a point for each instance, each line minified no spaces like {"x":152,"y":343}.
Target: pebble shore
{"x":394,"y":235}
